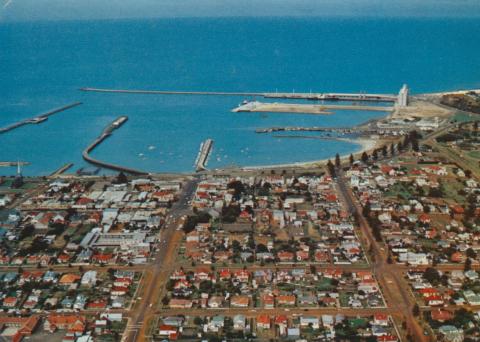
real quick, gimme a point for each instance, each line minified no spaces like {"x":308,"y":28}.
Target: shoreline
{"x":364,"y":144}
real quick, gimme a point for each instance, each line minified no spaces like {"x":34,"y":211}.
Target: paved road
{"x":151,"y":284}
{"x":254,"y":312}
{"x":389,"y":276}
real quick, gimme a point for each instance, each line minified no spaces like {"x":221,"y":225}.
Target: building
{"x":402,"y":100}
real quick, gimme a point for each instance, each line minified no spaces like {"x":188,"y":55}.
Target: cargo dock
{"x":105,"y":134}
{"x":38,"y":119}
{"x":276,"y":107}
{"x":203,"y":154}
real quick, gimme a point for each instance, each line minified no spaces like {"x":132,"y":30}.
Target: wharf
{"x":276,"y":107}
{"x":105,"y":134}
{"x":38,"y":119}
{"x":203,"y":154}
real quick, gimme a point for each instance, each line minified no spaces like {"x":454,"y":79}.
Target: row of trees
{"x":411,"y":140}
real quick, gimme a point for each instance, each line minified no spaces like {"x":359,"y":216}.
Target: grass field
{"x":397,"y":190}
{"x":463,"y":117}
{"x":474,"y":154}
{"x":451,"y":189}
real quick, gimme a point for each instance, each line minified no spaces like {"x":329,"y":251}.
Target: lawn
{"x":324,"y":284}
{"x":357,"y":323}
{"x":397,"y":190}
{"x":474,"y":154}
{"x":463,"y":117}
{"x":344,"y":299}
{"x":450,"y":190}
{"x":81,"y":232}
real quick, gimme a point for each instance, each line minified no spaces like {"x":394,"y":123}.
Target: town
{"x":381,"y":246}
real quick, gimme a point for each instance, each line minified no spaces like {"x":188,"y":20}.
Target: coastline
{"x":364,"y":144}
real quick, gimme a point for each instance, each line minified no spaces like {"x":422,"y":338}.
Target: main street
{"x":156,"y":273}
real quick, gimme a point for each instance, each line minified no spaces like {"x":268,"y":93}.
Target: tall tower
{"x":402,"y":100}
{"x":18,"y":181}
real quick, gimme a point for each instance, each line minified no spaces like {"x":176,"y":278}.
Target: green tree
{"x":392,"y":149}
{"x":331,"y":168}
{"x":337,"y":160}
{"x":432,"y":275}
{"x":26,"y":231}
{"x":364,"y":157}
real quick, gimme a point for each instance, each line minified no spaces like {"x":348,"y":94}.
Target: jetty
{"x":400,"y":99}
{"x":13,"y":163}
{"x":105,"y":134}
{"x":275,"y":107}
{"x":203,"y":154}
{"x":61,"y":170}
{"x":39,"y":118}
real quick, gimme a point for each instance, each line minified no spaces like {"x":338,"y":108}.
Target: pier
{"x":13,"y":163}
{"x":105,"y":134}
{"x":275,"y":107}
{"x":38,"y":119}
{"x":203,"y":154}
{"x":61,"y":170}
{"x":401,"y":99}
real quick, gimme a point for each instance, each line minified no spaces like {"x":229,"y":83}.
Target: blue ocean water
{"x":42,"y":65}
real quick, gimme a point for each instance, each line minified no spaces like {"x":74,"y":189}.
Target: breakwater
{"x":39,"y":118}
{"x":277,"y":95}
{"x":105,"y":134}
{"x":345,"y":130}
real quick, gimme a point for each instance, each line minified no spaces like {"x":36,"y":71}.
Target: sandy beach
{"x":366,"y":145}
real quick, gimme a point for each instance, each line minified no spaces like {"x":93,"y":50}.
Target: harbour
{"x":38,"y":119}
{"x":276,"y":67}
